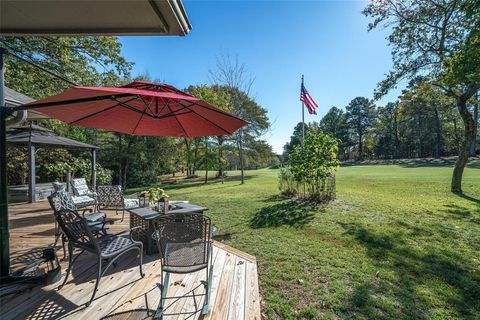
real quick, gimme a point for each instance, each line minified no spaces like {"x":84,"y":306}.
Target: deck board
{"x":122,"y":293}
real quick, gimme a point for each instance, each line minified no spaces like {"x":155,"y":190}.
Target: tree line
{"x":132,"y":160}
{"x":422,"y":123}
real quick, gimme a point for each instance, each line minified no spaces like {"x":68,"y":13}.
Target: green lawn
{"x":395,"y":244}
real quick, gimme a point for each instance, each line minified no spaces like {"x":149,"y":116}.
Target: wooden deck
{"x":122,"y":293}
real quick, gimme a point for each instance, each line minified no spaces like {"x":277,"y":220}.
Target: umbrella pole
{"x":4,"y":235}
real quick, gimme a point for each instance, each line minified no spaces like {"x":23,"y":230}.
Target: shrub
{"x":287,"y":184}
{"x":79,"y":168}
{"x":313,"y":165}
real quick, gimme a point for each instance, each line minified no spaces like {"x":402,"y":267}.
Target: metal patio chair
{"x":108,"y":248}
{"x":185,"y":244}
{"x":112,"y":196}
{"x":62,"y":200}
{"x":82,"y":195}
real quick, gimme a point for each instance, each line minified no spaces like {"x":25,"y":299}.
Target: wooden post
{"x":94,"y":169}
{"x":68,"y":180}
{"x":4,"y":234}
{"x":31,"y":173}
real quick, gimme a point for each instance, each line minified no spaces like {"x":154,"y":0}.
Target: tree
{"x":232,"y":74}
{"x":386,"y":132}
{"x":295,"y":140}
{"x":360,"y":118}
{"x":88,"y":61}
{"x":259,"y":154}
{"x":334,"y":123}
{"x":208,"y":159}
{"x":439,"y":39}
{"x":312,"y":163}
{"x":217,"y":96}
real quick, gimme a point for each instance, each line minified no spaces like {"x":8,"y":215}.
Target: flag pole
{"x":303,"y":133}
{"x":303,"y":118}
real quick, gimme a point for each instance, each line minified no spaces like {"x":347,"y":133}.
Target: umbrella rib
{"x":147,"y":106}
{"x":179,"y":123}
{"x":98,"y":112}
{"x":214,"y":110}
{"x":208,"y":119}
{"x":123,"y":104}
{"x":175,"y":113}
{"x":73,"y":101}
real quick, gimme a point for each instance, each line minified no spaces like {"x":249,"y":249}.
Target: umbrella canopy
{"x":139,"y":108}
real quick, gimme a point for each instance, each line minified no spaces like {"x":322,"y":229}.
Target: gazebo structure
{"x":35,"y":137}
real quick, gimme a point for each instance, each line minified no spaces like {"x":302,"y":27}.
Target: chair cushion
{"x":178,"y":201}
{"x":92,"y":217}
{"x":131,"y":203}
{"x":99,"y":227}
{"x":81,"y":201}
{"x":80,"y":188}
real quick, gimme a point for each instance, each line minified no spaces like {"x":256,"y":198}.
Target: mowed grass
{"x":396,"y":244}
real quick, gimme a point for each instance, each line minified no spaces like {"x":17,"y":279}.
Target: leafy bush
{"x":79,"y":168}
{"x":287,"y":184}
{"x":313,"y":164}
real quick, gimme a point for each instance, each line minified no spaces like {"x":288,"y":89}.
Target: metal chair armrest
{"x":85,"y":210}
{"x":103,"y":224}
{"x":134,"y":229}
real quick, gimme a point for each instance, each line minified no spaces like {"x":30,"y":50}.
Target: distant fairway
{"x":395,"y":244}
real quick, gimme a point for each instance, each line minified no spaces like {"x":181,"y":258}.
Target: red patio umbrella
{"x":139,"y":108}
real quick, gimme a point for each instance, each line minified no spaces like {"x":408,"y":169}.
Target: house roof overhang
{"x":105,"y":17}
{"x":14,"y":99}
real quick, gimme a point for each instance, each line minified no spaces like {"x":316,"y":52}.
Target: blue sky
{"x":278,"y":41}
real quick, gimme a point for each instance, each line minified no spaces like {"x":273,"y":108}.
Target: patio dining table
{"x":147,"y":217}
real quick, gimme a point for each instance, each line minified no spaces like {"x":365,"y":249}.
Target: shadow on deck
{"x":122,"y":293}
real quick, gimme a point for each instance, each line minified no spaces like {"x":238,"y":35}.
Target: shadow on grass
{"x":444,"y":276}
{"x":467,"y":197}
{"x":285,"y":213}
{"x":187,"y":183}
{"x":463,"y":213}
{"x":415,"y":163}
{"x":437,"y":163}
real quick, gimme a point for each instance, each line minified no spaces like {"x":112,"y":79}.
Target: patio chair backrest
{"x":58,"y":186}
{"x":72,"y":224}
{"x":61,"y":200}
{"x":80,"y":187}
{"x":110,"y":195}
{"x":192,"y":228}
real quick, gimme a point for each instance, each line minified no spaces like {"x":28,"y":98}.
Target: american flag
{"x":308,"y":100}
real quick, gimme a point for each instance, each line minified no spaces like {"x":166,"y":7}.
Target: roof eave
{"x":73,"y":17}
